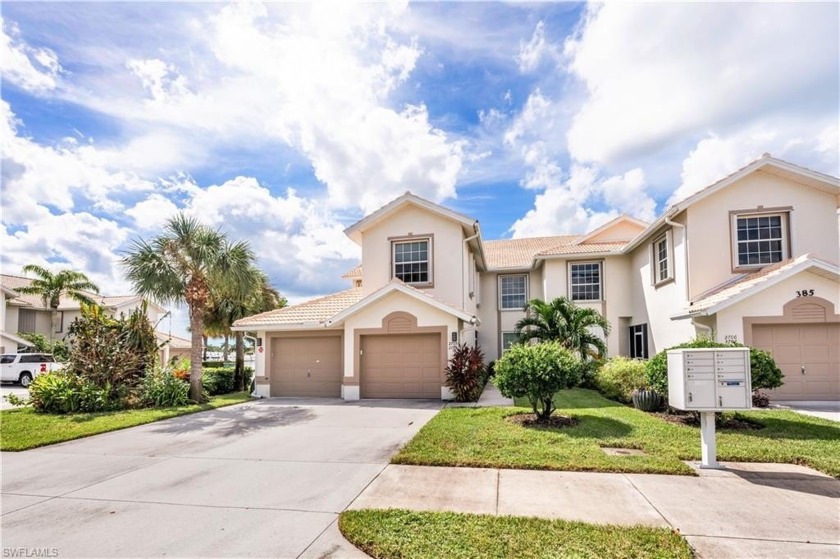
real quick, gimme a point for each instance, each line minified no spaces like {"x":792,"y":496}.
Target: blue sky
{"x":282,"y":123}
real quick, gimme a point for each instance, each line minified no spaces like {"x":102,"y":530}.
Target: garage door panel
{"x":401,"y":366}
{"x":812,"y":346}
{"x":308,"y":367}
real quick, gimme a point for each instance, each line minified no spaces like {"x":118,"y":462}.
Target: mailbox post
{"x":709,"y":380}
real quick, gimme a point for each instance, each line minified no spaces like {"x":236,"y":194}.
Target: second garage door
{"x":306,"y":366}
{"x":807,"y":354}
{"x":401,"y":366}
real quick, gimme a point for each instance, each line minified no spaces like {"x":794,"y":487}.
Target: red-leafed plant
{"x":466,"y":373}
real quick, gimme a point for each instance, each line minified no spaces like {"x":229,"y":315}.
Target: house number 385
{"x":805,"y":293}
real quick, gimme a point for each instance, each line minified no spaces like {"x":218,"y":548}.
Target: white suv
{"x":23,"y":367}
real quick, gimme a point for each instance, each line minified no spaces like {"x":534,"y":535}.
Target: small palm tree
{"x":51,"y":287}
{"x":180,"y":266}
{"x":569,"y":324}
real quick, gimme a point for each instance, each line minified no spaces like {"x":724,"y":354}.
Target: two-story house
{"x":751,"y":258}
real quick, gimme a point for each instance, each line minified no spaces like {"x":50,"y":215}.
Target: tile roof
{"x":739,"y":285}
{"x":175,"y":342}
{"x":15,"y":282}
{"x":583,"y":248}
{"x":355,"y":272}
{"x":519,"y":253}
{"x":317,"y":310}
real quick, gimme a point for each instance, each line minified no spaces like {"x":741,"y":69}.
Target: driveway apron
{"x":262,"y":479}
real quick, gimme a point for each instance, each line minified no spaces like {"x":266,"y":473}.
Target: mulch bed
{"x":553,"y":422}
{"x":691,"y":420}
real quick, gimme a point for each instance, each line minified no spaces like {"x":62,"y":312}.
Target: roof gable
{"x":356,"y":230}
{"x":621,"y":229}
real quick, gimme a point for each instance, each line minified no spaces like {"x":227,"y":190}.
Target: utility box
{"x":709,"y":379}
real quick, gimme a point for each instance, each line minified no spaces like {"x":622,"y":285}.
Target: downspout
{"x":474,"y":319}
{"x":685,"y":240}
{"x":708,"y":329}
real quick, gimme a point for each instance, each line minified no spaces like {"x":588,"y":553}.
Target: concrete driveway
{"x":262,"y":479}
{"x":823,"y":409}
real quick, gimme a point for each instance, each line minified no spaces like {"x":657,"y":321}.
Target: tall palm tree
{"x":51,"y":287}
{"x":180,"y":265}
{"x":571,"y":325}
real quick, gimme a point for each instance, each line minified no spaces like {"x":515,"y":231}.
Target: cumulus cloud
{"x":33,"y":69}
{"x":655,"y":75}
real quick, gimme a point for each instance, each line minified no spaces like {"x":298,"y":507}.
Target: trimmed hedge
{"x":618,"y":377}
{"x":217,"y":380}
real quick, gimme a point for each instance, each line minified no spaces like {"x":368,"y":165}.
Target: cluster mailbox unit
{"x":709,"y":380}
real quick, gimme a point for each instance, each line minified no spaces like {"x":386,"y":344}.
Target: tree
{"x":253,"y":296}
{"x":537,"y":372}
{"x":51,"y":287}
{"x":179,"y":267}
{"x":565,"y":322}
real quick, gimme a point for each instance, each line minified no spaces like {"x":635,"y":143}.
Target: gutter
{"x":685,"y":239}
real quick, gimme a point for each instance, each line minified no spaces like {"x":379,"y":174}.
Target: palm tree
{"x":51,"y":287}
{"x":180,"y":265}
{"x":228,"y":306}
{"x":567,"y":323}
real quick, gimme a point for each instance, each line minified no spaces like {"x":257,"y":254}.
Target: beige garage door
{"x":306,"y":366}
{"x":808,"y":355}
{"x":401,"y":366}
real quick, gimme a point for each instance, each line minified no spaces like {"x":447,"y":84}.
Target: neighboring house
{"x":751,"y":258}
{"x":172,"y":347}
{"x":9,"y":342}
{"x":27,"y":313}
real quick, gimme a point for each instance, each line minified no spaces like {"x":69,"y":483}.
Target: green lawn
{"x":386,"y":534}
{"x":22,"y":429}
{"x":481,"y":437}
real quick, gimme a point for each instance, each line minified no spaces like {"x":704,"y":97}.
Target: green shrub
{"x":537,"y":372}
{"x":213,"y":364}
{"x":58,"y":348}
{"x":65,"y":392}
{"x":619,"y":377}
{"x":765,"y":373}
{"x":248,"y":378}
{"x":218,"y":380}
{"x":162,"y":389}
{"x":466,"y":374}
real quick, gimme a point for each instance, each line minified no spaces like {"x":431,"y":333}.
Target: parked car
{"x":23,"y":367}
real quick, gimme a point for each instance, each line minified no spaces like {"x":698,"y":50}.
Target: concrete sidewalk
{"x":745,"y":511}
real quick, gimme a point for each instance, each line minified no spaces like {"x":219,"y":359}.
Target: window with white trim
{"x":662,"y":258}
{"x":759,"y":240}
{"x":585,"y":281}
{"x":412,"y":261}
{"x":639,"y":341}
{"x":513,"y":292}
{"x":508,"y":339}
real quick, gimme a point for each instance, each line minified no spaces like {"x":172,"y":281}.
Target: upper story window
{"x":513,"y":292}
{"x":412,"y":261}
{"x":663,"y":259}
{"x":759,"y":240}
{"x":585,"y":281}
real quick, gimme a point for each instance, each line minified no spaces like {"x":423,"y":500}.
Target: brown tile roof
{"x":519,"y":253}
{"x":355,"y":272}
{"x":317,"y":310}
{"x":15,"y":282}
{"x":583,"y":248}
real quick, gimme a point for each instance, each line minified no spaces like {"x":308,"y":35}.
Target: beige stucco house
{"x":28,"y":314}
{"x":753,"y":258}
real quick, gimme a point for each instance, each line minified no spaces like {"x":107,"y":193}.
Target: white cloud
{"x":152,"y":213}
{"x":34,"y":69}
{"x":569,"y":206}
{"x":716,"y":157}
{"x":656,"y":75}
{"x":534,"y":51}
{"x":160,"y":79}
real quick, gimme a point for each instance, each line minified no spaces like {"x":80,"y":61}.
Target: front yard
{"x":482,"y":437}
{"x":23,"y":429}
{"x":387,"y":534}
